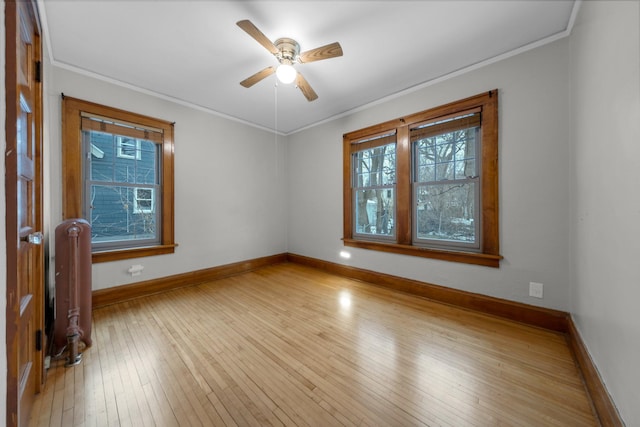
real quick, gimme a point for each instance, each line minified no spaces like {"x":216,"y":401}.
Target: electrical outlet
{"x":135,"y":270}
{"x":535,"y":289}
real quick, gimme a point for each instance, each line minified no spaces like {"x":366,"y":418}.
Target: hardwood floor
{"x":291,"y":345}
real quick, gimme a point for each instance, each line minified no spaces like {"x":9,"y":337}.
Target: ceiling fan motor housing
{"x":288,"y":50}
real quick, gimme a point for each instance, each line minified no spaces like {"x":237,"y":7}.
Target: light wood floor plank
{"x":288,"y":345}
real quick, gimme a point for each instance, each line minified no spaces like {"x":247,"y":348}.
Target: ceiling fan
{"x":287,"y":52}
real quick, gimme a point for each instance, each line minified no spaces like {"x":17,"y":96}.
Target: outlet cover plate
{"x":536,"y":289}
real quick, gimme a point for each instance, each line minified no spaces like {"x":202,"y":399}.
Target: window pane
{"x":465,"y":153}
{"x":444,"y":170}
{"x":146,"y":165}
{"x":446,"y":212}
{"x":375,"y":211}
{"x":426,"y":173}
{"x":375,"y":166}
{"x":448,"y":156}
{"x":113,"y":217}
{"x":124,"y":170}
{"x":101,"y":154}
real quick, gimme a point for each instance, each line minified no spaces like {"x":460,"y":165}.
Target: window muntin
{"x":446,"y":156}
{"x":119,"y":165}
{"x":374,"y":184}
{"x":446,"y":189}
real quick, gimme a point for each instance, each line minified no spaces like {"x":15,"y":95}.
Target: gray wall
{"x":534,"y":181}
{"x":229,"y":182}
{"x":605,"y":200}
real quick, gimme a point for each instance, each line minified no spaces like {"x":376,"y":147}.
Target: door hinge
{"x":39,"y":340}
{"x":38,"y":72}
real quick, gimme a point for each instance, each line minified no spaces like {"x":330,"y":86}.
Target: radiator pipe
{"x":73,"y":314}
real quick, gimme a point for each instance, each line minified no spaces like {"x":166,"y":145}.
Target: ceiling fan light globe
{"x":286,"y":73}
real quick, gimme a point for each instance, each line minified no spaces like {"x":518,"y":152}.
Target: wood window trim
{"x":489,"y":254}
{"x":73,"y":111}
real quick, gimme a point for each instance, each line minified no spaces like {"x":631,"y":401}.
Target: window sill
{"x":487,"y":260}
{"x":119,"y":254}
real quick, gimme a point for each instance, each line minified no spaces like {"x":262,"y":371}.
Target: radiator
{"x":72,"y":323}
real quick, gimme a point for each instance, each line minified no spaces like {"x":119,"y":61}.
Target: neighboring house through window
{"x":427,"y":184}
{"x":128,"y":148}
{"x":118,"y":169}
{"x":143,"y":201}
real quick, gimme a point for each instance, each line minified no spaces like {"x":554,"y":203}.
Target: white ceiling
{"x":193,"y":52}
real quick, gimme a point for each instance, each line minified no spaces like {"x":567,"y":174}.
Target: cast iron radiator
{"x":73,"y":289}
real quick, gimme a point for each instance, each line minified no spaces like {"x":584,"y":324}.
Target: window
{"x":374,"y":188}
{"x":128,"y":148}
{"x":118,"y":174}
{"x":427,"y":184}
{"x":445,"y":183}
{"x":119,"y":189}
{"x":143,"y":201}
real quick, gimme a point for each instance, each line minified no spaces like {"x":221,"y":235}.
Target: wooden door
{"x":23,"y":192}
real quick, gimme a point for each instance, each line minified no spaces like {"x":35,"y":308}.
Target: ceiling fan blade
{"x":324,"y":52}
{"x":305,"y":87}
{"x":254,"y":32}
{"x":250,"y":81}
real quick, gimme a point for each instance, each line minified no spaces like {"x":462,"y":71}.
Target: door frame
{"x":12,"y":232}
